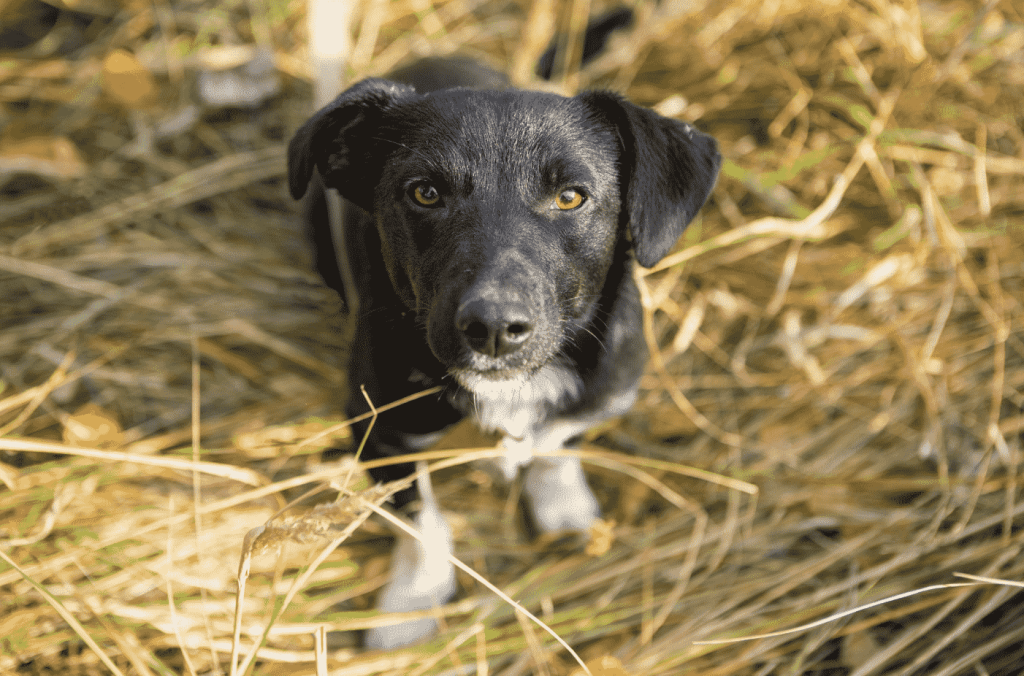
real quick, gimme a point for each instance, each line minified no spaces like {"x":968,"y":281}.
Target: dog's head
{"x":499,"y":213}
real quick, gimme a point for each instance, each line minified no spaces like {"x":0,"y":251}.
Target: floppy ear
{"x":668,"y":170}
{"x":338,"y":140}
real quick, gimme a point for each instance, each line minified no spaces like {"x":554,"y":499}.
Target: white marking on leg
{"x":421,"y":576}
{"x":558,"y":495}
{"x":518,"y":453}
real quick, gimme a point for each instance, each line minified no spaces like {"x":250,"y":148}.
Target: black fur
{"x":492,"y":283}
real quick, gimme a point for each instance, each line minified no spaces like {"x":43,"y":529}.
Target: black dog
{"x":491,"y":247}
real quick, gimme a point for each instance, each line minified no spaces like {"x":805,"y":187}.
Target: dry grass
{"x":833,"y":416}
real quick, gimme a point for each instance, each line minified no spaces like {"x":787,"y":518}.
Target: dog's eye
{"x":568,"y":199}
{"x":426,"y":195}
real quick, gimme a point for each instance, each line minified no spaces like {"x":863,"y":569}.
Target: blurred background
{"x":832,"y":416}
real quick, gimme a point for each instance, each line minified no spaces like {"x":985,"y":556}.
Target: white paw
{"x":558,"y":495}
{"x":399,"y":635}
{"x":421,"y":577}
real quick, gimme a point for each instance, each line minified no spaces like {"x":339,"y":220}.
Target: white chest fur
{"x":516,"y":406}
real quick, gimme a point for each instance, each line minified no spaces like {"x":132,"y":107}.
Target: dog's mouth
{"x":557,"y":376}
{"x":514,"y":404}
{"x":476,"y":380}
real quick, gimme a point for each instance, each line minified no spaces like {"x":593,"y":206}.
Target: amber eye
{"x":426,"y":195}
{"x":568,"y":199}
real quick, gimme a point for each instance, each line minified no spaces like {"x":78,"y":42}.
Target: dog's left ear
{"x":669,"y":170}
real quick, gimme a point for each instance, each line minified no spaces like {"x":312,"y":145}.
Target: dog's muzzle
{"x":498,"y":321}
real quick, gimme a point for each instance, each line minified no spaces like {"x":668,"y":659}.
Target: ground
{"x":832,"y":417}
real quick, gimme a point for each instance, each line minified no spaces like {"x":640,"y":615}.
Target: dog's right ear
{"x":339,"y":138}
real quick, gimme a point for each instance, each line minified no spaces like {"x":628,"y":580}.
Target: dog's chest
{"x":522,"y":409}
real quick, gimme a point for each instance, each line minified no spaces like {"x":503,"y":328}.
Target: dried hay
{"x":842,"y":329}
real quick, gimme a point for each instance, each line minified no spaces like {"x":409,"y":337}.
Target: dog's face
{"x":499,"y":212}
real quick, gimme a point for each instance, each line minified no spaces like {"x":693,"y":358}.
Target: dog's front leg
{"x":555,"y":487}
{"x":421,"y":576}
{"x":390,"y":367}
{"x":556,"y":490}
{"x":558,"y":495}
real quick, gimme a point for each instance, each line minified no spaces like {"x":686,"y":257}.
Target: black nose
{"x":493,"y":328}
